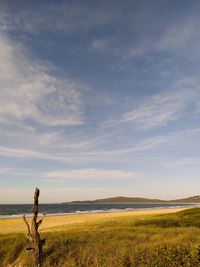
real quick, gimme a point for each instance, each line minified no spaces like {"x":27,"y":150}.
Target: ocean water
{"x":17,"y":210}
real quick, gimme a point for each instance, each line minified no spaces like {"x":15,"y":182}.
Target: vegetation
{"x":120,"y":200}
{"x":169,"y":240}
{"x":137,"y":200}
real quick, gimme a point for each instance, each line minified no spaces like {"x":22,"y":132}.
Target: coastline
{"x":16,"y":225}
{"x":114,"y":207}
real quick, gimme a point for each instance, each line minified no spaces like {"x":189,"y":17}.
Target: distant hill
{"x":194,"y":199}
{"x":136,"y":200}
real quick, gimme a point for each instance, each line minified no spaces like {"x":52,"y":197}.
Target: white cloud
{"x":13,"y":172}
{"x":179,"y":40}
{"x":29,"y":90}
{"x":180,"y":36}
{"x":159,"y":110}
{"x":33,"y":154}
{"x":134,"y":150}
{"x":99,"y":44}
{"x":24,"y":153}
{"x":92,"y":174}
{"x":65,"y":17}
{"x":182,"y":162}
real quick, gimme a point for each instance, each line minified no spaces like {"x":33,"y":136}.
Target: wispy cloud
{"x":180,"y":36}
{"x":92,"y":174}
{"x":64,"y":17}
{"x":29,"y":90}
{"x":33,"y":154}
{"x":81,"y":152}
{"x":184,"y":161}
{"x":137,"y":149}
{"x":160,"y":109}
{"x":13,"y":171}
{"x":99,"y":45}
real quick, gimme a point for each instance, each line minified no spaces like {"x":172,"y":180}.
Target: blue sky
{"x":99,"y":99}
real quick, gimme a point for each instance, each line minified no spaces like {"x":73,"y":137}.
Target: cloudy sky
{"x":99,"y":99}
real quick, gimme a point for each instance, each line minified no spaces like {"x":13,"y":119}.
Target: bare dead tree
{"x":33,"y":235}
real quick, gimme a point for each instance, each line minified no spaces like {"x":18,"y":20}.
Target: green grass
{"x":166,"y":240}
{"x":185,"y":218}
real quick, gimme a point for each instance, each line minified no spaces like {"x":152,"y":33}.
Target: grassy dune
{"x":104,"y":240}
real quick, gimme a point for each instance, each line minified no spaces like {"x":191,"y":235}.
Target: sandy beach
{"x":17,"y":225}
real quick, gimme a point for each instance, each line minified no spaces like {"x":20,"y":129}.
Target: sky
{"x":99,"y":99}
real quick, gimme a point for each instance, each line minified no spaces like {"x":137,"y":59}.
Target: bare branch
{"x":41,"y":220}
{"x":28,"y":228}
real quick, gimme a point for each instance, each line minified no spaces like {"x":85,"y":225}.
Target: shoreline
{"x":16,"y":225}
{"x":29,"y":215}
{"x":105,"y":203}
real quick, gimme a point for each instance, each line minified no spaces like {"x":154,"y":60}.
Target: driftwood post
{"x":33,"y":235}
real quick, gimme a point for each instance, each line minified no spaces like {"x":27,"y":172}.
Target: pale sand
{"x":17,"y":225}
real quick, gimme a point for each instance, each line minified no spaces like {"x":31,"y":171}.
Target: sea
{"x":18,"y":210}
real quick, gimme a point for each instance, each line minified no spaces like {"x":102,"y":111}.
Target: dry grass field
{"x":143,"y":238}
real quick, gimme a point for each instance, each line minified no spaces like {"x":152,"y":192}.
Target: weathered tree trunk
{"x":33,"y":235}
